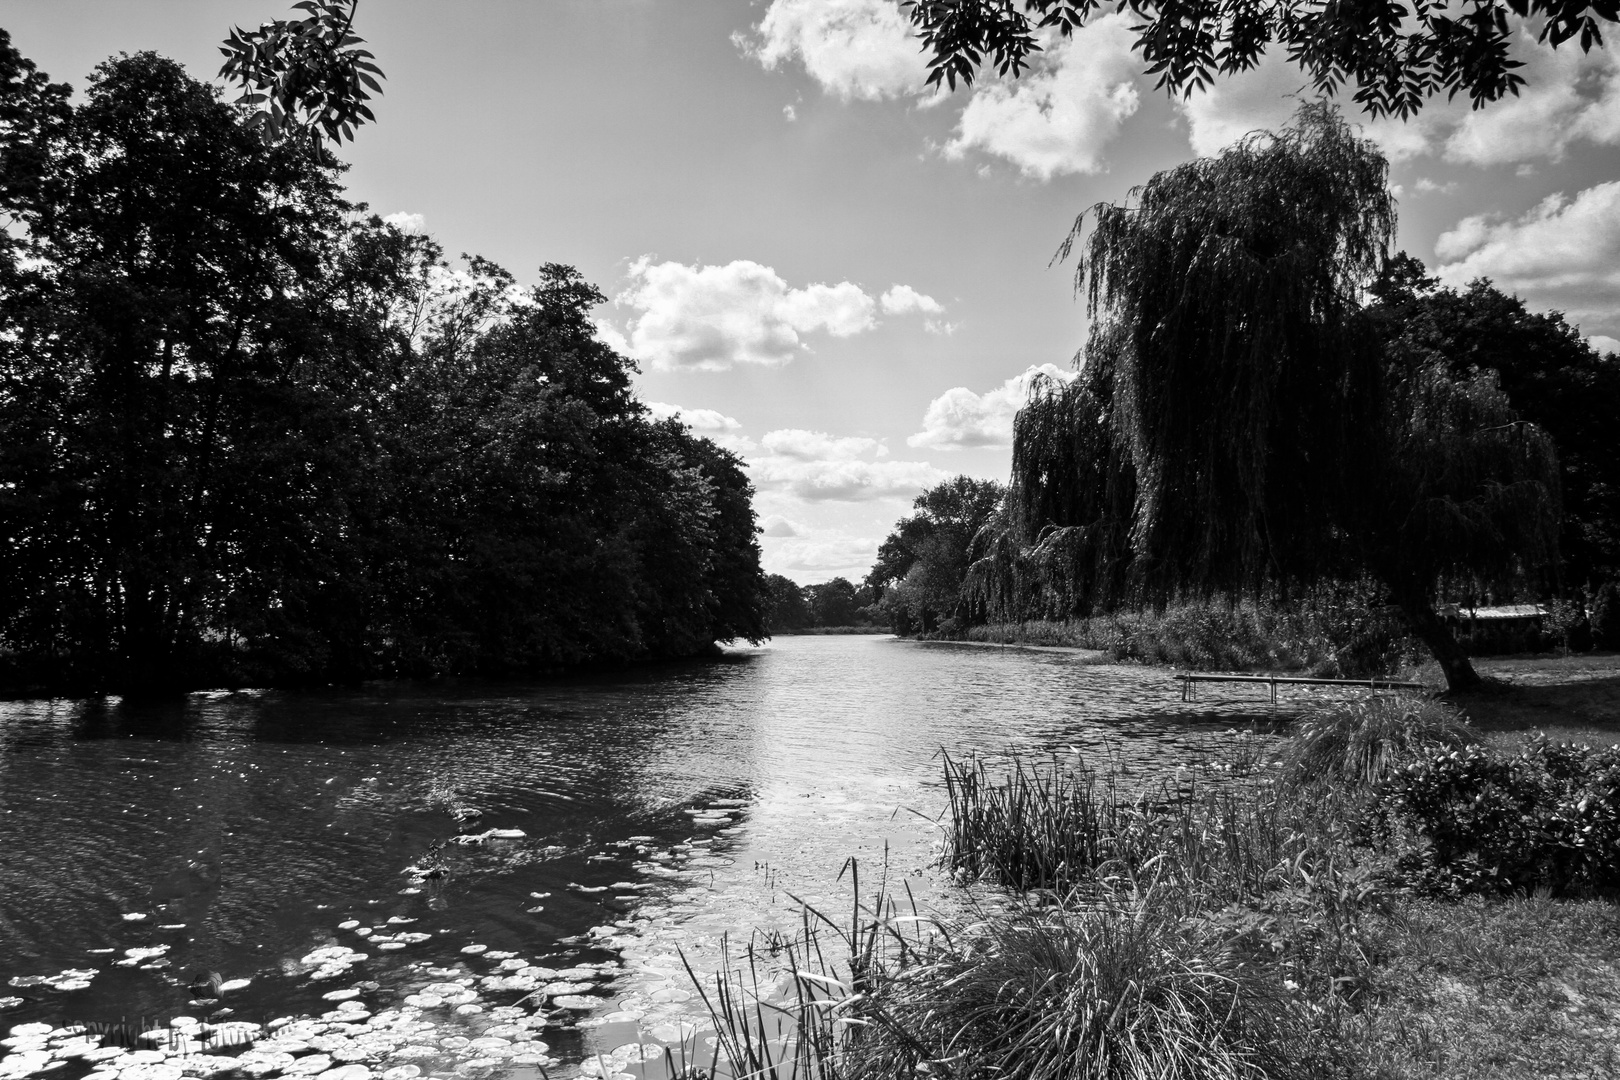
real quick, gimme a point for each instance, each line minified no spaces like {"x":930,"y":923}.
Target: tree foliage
{"x":306,"y":75}
{"x":1396,"y":55}
{"x":1237,"y":427}
{"x":249,"y":434}
{"x":1551,"y":377}
{"x":921,"y":565}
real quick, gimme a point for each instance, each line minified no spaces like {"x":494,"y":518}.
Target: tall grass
{"x":1115,"y":989}
{"x":1061,"y":827}
{"x":1362,"y":742}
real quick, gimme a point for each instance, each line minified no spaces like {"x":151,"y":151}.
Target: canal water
{"x":492,"y":879}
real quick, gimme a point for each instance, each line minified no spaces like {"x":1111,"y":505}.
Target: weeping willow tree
{"x":1236,"y":427}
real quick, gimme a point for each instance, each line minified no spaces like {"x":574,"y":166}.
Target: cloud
{"x":1569,"y":96}
{"x":1058,"y":118}
{"x":414,"y":224}
{"x":699,"y":420}
{"x":712,"y":424}
{"x":817,"y":467}
{"x":843,"y":480}
{"x":855,"y":49}
{"x":1603,"y":343}
{"x":804,"y":445}
{"x":821,"y":555}
{"x":1564,"y":253}
{"x":959,"y":419}
{"x":1425,"y":186}
{"x":710,"y":318}
{"x":776,"y":527}
{"x":904,"y":300}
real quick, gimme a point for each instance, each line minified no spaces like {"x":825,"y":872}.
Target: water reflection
{"x":235,"y":832}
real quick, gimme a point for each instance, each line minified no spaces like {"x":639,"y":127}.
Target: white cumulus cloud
{"x":844,"y":480}
{"x":1604,"y":344}
{"x":1569,"y":96}
{"x":821,"y":555}
{"x":959,"y":419}
{"x":1060,"y":116}
{"x":855,"y":49}
{"x":712,"y":424}
{"x":415,"y":224}
{"x":904,"y":300}
{"x":1564,"y":253}
{"x":711,"y":318}
{"x":815,"y":467}
{"x":802,"y":445}
{"x":777,"y":527}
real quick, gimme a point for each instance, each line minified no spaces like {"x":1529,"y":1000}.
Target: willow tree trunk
{"x":1433,"y":632}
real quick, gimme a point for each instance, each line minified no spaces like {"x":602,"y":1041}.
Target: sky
{"x":839,"y":274}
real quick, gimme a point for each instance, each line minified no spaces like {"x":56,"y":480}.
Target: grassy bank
{"x":1325,"y":637}
{"x":1376,"y":895}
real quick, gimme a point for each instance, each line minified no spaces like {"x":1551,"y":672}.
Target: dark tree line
{"x":835,"y":603}
{"x":250,"y":434}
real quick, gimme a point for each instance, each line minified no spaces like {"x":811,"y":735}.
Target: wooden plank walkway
{"x":1189,"y":683}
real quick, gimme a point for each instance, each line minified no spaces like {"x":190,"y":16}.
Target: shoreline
{"x":1087,"y":656}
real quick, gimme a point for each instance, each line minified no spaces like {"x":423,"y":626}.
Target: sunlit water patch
{"x":481,"y":879}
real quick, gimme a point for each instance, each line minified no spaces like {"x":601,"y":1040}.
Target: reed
{"x":1058,"y":828}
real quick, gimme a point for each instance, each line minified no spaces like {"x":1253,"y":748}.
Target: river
{"x":619,"y":821}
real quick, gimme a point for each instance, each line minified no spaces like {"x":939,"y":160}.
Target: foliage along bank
{"x":1270,"y":406}
{"x":251,"y":435}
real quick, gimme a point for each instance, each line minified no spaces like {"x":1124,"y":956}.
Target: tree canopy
{"x":921,"y":565}
{"x":1238,"y":425}
{"x":1551,"y":377}
{"x":1396,"y":55}
{"x":249,"y":433}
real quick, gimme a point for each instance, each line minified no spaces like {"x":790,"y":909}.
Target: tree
{"x":1269,"y":441}
{"x":832,"y":603}
{"x":250,"y":435}
{"x":306,"y":76}
{"x":928,"y":552}
{"x":787,"y":610}
{"x":1550,"y":375}
{"x":1398,"y":56}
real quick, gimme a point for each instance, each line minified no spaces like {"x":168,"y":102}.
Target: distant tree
{"x":788,"y":610}
{"x":1396,"y":56}
{"x":832,"y":603}
{"x":1268,"y":438}
{"x":1550,"y":375}
{"x":929,"y":551}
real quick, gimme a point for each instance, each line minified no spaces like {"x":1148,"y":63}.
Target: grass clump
{"x":1363,"y":742}
{"x":1115,"y":990}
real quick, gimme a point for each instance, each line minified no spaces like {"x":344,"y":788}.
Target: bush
{"x":1362,"y":742}
{"x":1547,"y":817}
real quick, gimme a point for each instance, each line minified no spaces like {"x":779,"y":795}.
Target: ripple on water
{"x":664,"y":812}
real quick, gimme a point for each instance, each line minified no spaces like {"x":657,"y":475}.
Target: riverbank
{"x":1575,"y":698}
{"x":1338,"y":906}
{"x":1322,"y":636}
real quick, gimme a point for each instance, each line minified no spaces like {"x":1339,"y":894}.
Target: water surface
{"x":241,"y":832}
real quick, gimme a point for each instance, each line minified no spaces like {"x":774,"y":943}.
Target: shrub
{"x":1362,"y":742}
{"x":1121,"y":990}
{"x":1546,"y":817}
